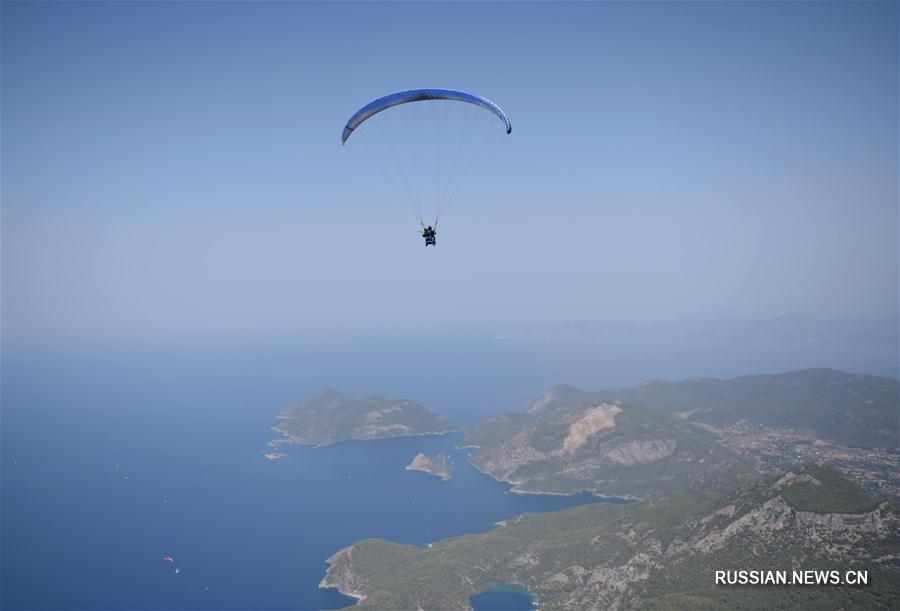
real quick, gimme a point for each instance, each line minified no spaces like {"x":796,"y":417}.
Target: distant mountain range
{"x":853,"y":409}
{"x":645,"y":441}
{"x":790,"y":328}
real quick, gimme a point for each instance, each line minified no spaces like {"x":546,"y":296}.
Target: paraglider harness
{"x":430,"y":235}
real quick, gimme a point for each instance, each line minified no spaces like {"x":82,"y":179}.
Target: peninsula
{"x":660,"y":437}
{"x":658,"y":555}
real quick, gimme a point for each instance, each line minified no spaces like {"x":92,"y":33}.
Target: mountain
{"x":654,"y":439}
{"x":330,"y":417}
{"x":853,"y":409}
{"x":572,"y":440}
{"x":661,"y":555}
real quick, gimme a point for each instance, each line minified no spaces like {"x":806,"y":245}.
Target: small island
{"x":275,"y":455}
{"x":432,"y":465}
{"x":330,"y":417}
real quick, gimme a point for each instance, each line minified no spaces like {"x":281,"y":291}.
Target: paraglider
{"x":168,"y":559}
{"x":426,"y":150}
{"x":430,"y":235}
{"x":418,"y":95}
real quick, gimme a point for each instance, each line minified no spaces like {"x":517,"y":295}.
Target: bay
{"x":115,"y":457}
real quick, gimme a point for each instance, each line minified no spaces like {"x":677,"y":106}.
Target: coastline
{"x":339,"y":573}
{"x":331,"y":561}
{"x":515,"y":490}
{"x":287,"y":438}
{"x":434,"y":466}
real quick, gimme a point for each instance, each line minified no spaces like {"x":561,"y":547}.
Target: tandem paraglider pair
{"x":430,"y":235}
{"x":410,"y":147}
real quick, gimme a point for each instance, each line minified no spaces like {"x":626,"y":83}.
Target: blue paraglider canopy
{"x":418,"y":95}
{"x":426,"y":151}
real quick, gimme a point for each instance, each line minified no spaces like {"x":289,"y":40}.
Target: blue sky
{"x":175,"y":169}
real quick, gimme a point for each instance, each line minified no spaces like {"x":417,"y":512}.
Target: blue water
{"x":115,"y":456}
{"x":503,"y":598}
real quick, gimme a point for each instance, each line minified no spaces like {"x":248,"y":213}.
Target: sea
{"x":132,"y":475}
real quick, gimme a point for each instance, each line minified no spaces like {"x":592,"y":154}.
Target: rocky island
{"x":330,"y":417}
{"x":433,"y":465}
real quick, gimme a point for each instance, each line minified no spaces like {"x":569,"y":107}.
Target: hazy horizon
{"x":174,"y":170}
{"x":698,"y":192}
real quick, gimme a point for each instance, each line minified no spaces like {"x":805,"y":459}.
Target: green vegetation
{"x":853,"y":409}
{"x":494,"y":431}
{"x":826,"y":492}
{"x":571,"y":442}
{"x":330,"y":417}
{"x":653,"y":448}
{"x":705,"y":509}
{"x":653,"y":555}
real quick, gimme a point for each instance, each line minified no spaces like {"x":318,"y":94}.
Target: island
{"x":275,"y":455}
{"x":330,"y":417}
{"x":433,"y":465}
